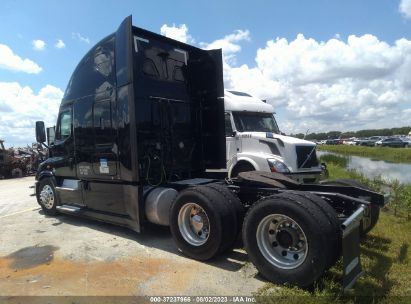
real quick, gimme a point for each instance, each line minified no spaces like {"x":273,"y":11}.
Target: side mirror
{"x":40,"y":132}
{"x":234,"y":133}
{"x":282,"y":133}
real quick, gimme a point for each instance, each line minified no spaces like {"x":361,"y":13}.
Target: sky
{"x":324,"y":65}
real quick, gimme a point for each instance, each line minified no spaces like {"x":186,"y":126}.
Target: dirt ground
{"x":70,"y":256}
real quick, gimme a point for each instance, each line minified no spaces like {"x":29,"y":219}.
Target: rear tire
{"x":287,"y":239}
{"x":202,"y":223}
{"x":235,"y":205}
{"x":333,"y":232}
{"x":374,"y":209}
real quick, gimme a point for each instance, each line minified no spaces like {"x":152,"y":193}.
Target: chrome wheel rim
{"x":194,"y":224}
{"x":47,"y":197}
{"x":281,"y":241}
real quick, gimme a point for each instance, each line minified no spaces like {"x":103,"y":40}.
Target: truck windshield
{"x":255,"y":122}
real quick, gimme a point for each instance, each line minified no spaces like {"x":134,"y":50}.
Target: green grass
{"x":385,"y":259}
{"x":397,"y":155}
{"x":340,"y":160}
{"x":400,"y":201}
{"x":337,"y":172}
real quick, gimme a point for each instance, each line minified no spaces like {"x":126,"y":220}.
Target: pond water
{"x":373,"y":168}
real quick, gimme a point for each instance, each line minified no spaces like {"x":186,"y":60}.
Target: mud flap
{"x":351,"y":248}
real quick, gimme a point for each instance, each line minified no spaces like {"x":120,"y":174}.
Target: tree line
{"x":360,"y":133}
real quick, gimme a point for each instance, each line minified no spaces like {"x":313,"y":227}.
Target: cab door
{"x":104,"y":160}
{"x":63,"y":148}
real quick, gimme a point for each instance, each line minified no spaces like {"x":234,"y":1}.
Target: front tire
{"x":287,"y":239}
{"x":47,"y":197}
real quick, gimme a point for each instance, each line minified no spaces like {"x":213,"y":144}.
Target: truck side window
{"x":228,"y":127}
{"x":64,"y":125}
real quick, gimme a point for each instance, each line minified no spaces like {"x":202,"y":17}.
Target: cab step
{"x":69,"y":209}
{"x":70,"y":191}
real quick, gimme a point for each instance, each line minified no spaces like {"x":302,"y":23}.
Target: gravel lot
{"x":65,"y":255}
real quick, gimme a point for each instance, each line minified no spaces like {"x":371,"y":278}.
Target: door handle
{"x":71,"y":162}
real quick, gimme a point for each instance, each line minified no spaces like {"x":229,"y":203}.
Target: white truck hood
{"x":272,"y":136}
{"x":290,"y":148}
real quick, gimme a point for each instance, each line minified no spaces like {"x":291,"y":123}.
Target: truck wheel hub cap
{"x":47,"y":197}
{"x":193,"y":224}
{"x":281,"y":241}
{"x":197,"y":223}
{"x":285,"y":239}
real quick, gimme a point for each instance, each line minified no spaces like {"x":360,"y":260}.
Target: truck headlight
{"x":277,"y":166}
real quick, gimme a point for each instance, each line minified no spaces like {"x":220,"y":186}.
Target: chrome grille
{"x":306,"y":157}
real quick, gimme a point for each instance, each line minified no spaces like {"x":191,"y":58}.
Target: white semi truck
{"x":254,"y":141}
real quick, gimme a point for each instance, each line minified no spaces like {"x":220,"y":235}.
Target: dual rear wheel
{"x":292,"y":237}
{"x":205,"y":220}
{"x":289,"y":237}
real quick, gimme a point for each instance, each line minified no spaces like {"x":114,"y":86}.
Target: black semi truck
{"x":141,"y":121}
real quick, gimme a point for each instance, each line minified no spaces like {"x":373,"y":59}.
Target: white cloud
{"x":405,"y":8}
{"x":179,"y":32}
{"x":81,"y":38}
{"x":39,"y":45}
{"x":229,"y":44}
{"x":60,"y":44}
{"x":20,"y":107}
{"x":330,"y":85}
{"x":13,"y":62}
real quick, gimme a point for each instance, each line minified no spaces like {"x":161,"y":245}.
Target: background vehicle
{"x":393,"y":142}
{"x":14,"y":163}
{"x":332,"y":142}
{"x":350,"y":141}
{"x":407,"y":141}
{"x":142,"y":119}
{"x":370,"y":142}
{"x":254,"y":141}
